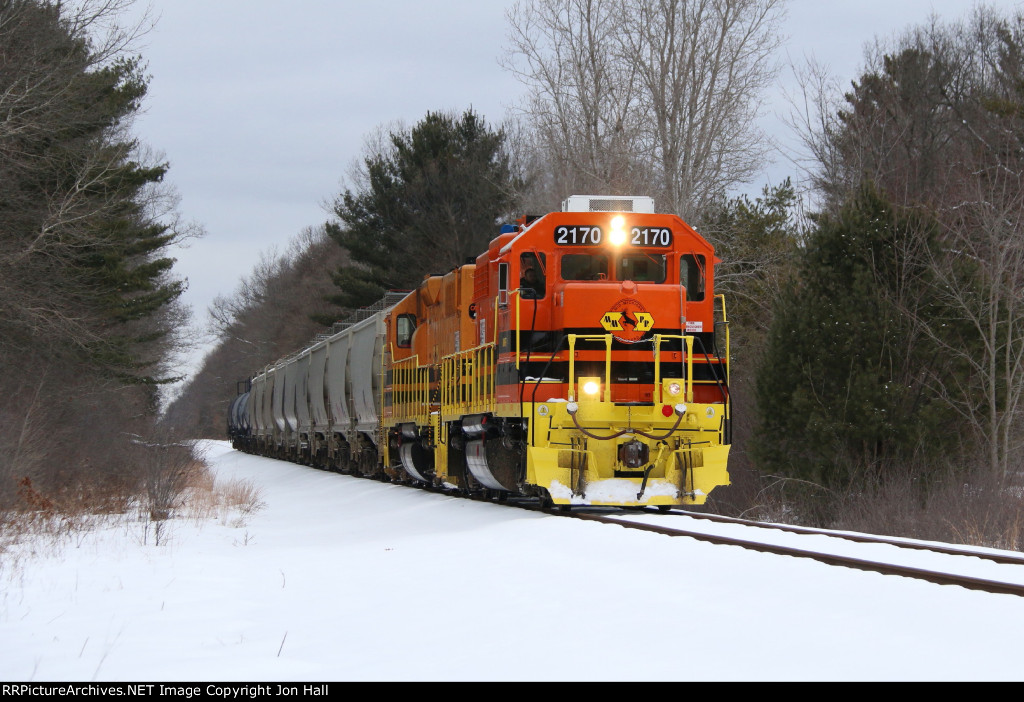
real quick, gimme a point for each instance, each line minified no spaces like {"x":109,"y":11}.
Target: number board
{"x":578,"y":235}
{"x":587,"y":235}
{"x":650,"y":236}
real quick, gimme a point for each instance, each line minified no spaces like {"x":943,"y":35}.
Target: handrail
{"x":725,"y":321}
{"x":410,"y":390}
{"x":607,"y":338}
{"x":518,"y":298}
{"x":469,"y":380}
{"x":688,"y":340}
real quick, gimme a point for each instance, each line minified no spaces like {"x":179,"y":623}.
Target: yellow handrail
{"x":607,"y":338}
{"x":688,"y":340}
{"x":725,"y":320}
{"x":468,"y":381}
{"x":410,"y":391}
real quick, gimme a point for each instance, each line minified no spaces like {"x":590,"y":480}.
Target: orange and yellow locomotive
{"x":583,"y":359}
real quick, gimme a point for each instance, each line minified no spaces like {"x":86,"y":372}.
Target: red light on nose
{"x":666,"y":410}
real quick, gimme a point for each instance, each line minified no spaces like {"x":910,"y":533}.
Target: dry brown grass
{"x":53,"y":521}
{"x":230,"y":502}
{"x":984,"y":510}
{"x":971,"y":507}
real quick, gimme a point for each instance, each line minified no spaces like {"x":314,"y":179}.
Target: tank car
{"x":583,"y":359}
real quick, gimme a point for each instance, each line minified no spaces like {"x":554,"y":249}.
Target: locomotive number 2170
{"x":651,"y":236}
{"x":578,"y":236}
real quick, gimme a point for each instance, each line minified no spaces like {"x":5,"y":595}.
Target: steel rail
{"x":936,"y":577}
{"x":1007,"y":559}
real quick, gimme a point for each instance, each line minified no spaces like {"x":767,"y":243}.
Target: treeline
{"x":894,"y":363}
{"x":267,"y":317}
{"x":88,"y":297}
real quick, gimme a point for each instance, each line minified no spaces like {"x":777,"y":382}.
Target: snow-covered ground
{"x":338,"y":578}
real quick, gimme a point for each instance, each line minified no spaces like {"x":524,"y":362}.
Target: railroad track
{"x":940,"y":577}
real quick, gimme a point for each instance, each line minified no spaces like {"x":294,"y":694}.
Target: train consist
{"x":583,"y":359}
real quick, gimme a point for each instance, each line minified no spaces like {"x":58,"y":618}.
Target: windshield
{"x":639,"y":267}
{"x":584,"y":267}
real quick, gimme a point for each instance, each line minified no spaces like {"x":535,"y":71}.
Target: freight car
{"x":582,"y":359}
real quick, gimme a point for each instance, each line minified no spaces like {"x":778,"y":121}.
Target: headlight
{"x":589,"y":388}
{"x":618,"y":234}
{"x":674,"y":388}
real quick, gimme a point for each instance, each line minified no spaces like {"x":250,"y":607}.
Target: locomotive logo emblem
{"x":628,"y":320}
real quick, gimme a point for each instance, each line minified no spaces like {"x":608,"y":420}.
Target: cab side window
{"x":532,"y":281}
{"x":691,"y":275}
{"x":405,"y":325}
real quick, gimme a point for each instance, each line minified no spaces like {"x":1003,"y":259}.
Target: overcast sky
{"x":261,"y":106}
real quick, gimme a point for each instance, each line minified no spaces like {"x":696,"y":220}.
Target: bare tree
{"x":583,"y":100}
{"x":652,"y":95}
{"x":982,"y":281}
{"x":903,"y":117}
{"x":703,"y":65}
{"x":266,"y":317}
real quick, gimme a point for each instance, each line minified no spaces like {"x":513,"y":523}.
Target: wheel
{"x":545,"y":498}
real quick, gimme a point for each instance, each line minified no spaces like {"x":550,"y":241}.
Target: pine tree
{"x":82,"y":258}
{"x":87,"y":295}
{"x":429,"y":202}
{"x":757,"y":241}
{"x":846,"y":392}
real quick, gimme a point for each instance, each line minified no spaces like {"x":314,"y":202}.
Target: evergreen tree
{"x":87,"y":296}
{"x":847,"y":389}
{"x":82,"y":256}
{"x":429,"y":202}
{"x":757,"y":242}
